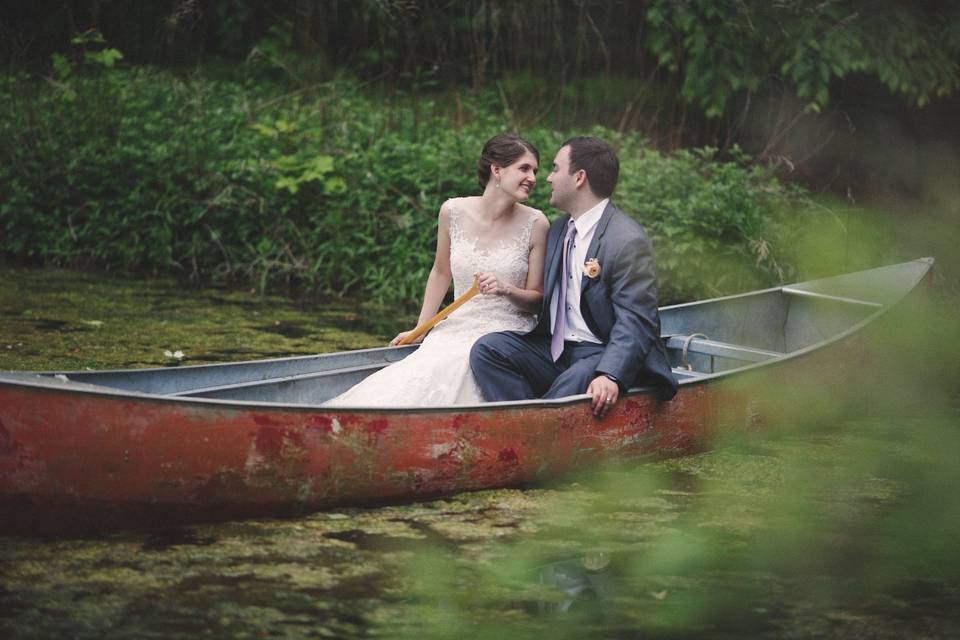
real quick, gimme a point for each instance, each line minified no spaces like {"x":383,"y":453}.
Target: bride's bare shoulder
{"x":536,"y":214}
{"x":466,"y":204}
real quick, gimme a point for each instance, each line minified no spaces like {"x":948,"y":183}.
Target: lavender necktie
{"x":559,"y":322}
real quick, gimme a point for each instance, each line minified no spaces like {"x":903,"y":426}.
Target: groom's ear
{"x":580,"y":178}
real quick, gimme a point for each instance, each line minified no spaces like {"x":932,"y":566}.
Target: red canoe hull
{"x":78,"y":461}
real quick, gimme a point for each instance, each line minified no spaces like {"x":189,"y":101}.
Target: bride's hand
{"x":403,"y":334}
{"x":489,"y":285}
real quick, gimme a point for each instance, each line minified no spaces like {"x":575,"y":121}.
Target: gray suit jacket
{"x":620,"y":305}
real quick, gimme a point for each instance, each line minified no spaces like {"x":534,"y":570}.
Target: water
{"x":845,"y":528}
{"x":60,"y":319}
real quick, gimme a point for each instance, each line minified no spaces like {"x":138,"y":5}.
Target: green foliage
{"x":103,"y":56}
{"x":721,"y":49}
{"x":333,"y":189}
{"x":717,"y":227}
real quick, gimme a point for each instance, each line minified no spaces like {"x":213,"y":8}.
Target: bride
{"x":494,"y":238}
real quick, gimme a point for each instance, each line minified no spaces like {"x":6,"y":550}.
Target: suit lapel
{"x":552,"y":273}
{"x":594,"y":249}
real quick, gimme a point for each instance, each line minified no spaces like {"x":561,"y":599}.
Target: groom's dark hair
{"x":598,"y":160}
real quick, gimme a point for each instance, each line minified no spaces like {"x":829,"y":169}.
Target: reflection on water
{"x":586,"y":584}
{"x":163,"y":539}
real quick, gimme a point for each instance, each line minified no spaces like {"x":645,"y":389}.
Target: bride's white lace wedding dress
{"x":438,"y":372}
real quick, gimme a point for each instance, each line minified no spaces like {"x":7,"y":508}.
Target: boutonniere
{"x":591,"y":268}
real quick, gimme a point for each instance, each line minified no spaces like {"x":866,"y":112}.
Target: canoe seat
{"x":700,"y":344}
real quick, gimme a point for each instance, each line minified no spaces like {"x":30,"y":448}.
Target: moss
{"x":54,"y":319}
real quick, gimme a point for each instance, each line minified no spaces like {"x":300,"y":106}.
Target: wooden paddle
{"x":450,"y":308}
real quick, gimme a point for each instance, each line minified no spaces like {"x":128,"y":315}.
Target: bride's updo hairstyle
{"x":503,"y":150}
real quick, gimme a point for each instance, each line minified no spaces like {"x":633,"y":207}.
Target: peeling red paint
{"x":508,"y":456}
{"x":324,"y":423}
{"x":377,"y":427}
{"x":452,"y":454}
{"x":266,"y":420}
{"x":269,"y":442}
{"x":6,"y":442}
{"x":219,"y":487}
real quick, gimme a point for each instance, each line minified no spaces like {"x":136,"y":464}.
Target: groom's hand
{"x":605,"y":393}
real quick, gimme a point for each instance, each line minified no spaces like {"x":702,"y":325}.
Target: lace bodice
{"x":507,"y":256}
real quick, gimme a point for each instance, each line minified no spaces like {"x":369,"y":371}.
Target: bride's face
{"x":519,"y":178}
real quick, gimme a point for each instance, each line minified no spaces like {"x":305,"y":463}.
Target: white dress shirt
{"x":576,"y":329}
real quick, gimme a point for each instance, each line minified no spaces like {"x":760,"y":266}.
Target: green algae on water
{"x":56,"y":319}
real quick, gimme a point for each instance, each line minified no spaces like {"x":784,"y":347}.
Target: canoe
{"x":107,"y":450}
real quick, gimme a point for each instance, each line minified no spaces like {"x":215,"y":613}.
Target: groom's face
{"x":563,"y":185}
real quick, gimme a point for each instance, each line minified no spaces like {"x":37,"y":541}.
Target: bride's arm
{"x":440,"y":275}
{"x":531,"y":295}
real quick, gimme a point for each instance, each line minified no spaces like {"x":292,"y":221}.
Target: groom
{"x":599,"y":329}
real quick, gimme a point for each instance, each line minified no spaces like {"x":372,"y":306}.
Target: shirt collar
{"x":589,"y":220}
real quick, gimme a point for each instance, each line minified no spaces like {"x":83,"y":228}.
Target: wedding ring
{"x":609,"y":400}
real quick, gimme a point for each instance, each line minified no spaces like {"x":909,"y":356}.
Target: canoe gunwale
{"x":823,"y":296}
{"x":46,"y":383}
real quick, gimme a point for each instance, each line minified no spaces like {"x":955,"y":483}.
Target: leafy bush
{"x":329,"y":188}
{"x":718,"y":227}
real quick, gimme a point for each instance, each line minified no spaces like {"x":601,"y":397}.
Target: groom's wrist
{"x":614,"y":378}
